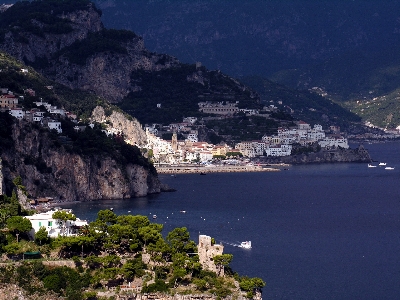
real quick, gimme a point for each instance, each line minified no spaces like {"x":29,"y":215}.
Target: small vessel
{"x":202,"y":173}
{"x":245,"y":245}
{"x":389,"y":168}
{"x":183,"y":211}
{"x":371,"y":166}
{"x":382,"y":164}
{"x":154,"y":216}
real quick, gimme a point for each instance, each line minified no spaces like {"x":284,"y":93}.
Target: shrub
{"x":158,"y":286}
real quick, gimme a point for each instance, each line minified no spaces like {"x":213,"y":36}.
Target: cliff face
{"x":51,"y":171}
{"x":360,"y":154}
{"x":133,"y":132}
{"x":106,"y":72}
{"x":35,"y":46}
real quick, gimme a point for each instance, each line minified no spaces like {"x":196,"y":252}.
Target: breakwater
{"x":215,"y":169}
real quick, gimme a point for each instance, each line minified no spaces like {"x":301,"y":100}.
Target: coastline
{"x":215,"y":169}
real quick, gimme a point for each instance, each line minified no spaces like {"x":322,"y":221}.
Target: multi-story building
{"x":8,"y":101}
{"x":334,"y":141}
{"x":218,"y":108}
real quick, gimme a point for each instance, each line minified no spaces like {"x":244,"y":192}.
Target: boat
{"x":183,"y":211}
{"x":245,"y":245}
{"x":389,"y":168}
{"x":382,"y":164}
{"x":154,"y":216}
{"x":202,"y":173}
{"x":371,"y":166}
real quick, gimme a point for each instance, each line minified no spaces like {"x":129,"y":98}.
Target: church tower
{"x":174,"y":141}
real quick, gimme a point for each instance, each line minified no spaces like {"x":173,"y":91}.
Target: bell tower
{"x":174,"y":141}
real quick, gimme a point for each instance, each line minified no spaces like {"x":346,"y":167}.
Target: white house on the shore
{"x":54,"y":227}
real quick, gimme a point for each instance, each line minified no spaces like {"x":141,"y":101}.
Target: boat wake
{"x":245,"y":245}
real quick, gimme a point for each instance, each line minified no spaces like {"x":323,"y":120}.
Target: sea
{"x":320,"y":231}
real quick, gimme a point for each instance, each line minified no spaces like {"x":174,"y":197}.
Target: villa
{"x":53,"y":226}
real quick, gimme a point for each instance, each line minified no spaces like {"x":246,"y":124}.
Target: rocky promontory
{"x":333,"y":155}
{"x":50,"y":169}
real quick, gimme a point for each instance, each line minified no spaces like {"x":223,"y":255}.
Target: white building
{"x":218,"y":108}
{"x":190,"y":120}
{"x":206,"y":156}
{"x":334,"y":141}
{"x":279,"y":150}
{"x":55,"y":125}
{"x":55,"y":110}
{"x":193,"y":136}
{"x":17,"y":113}
{"x":54,"y":227}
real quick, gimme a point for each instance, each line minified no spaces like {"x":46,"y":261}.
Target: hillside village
{"x":189,"y":149}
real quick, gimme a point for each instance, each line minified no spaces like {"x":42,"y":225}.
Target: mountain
{"x":257,"y":37}
{"x":303,"y":104}
{"x":345,"y":48}
{"x":69,"y":45}
{"x":367,"y":85}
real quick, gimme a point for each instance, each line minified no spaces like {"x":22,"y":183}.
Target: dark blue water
{"x":327,"y":231}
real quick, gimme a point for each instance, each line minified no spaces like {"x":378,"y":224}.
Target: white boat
{"x":154,"y":216}
{"x":245,"y":245}
{"x":371,"y":166}
{"x":382,"y":164}
{"x":389,"y":168}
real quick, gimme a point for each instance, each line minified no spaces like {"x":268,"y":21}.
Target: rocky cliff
{"x":12,"y":291}
{"x":337,"y":155}
{"x":30,"y":46}
{"x":118,"y":122}
{"x":48,"y":169}
{"x":107,"y":60}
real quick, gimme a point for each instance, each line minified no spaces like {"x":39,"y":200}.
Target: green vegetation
{"x":298,"y":149}
{"x":106,"y":40}
{"x":243,"y":127}
{"x":79,"y":102}
{"x":171,"y":265}
{"x":366,"y":85}
{"x":179,"y":97}
{"x":301,"y":104}
{"x":383,"y":111}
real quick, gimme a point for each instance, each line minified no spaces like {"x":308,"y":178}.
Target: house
{"x":8,"y":101}
{"x":54,"y":125}
{"x":190,"y":120}
{"x":17,"y":113}
{"x":193,"y":136}
{"x":53,"y":226}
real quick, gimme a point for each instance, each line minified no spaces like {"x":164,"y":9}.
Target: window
{"x":50,"y":223}
{"x":40,"y":224}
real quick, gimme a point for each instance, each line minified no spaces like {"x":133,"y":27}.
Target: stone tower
{"x":207,"y":251}
{"x":174,"y":141}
